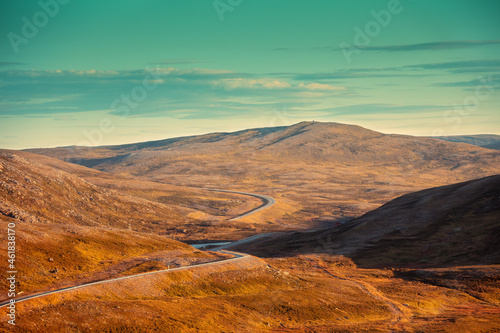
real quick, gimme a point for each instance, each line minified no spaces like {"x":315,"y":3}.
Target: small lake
{"x":199,"y":246}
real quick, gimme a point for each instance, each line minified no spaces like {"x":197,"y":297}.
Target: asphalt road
{"x":266,"y":202}
{"x":237,"y":256}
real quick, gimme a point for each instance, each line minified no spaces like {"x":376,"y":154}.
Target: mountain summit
{"x":321,"y":169}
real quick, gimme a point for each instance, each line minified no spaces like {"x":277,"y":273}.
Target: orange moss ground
{"x":311,"y":293}
{"x":52,"y":256}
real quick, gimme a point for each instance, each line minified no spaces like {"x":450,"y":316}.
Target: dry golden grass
{"x":320,"y":169}
{"x":313,"y":293}
{"x":453,"y":225}
{"x":39,"y":189}
{"x":82,"y":221}
{"x":88,"y":254}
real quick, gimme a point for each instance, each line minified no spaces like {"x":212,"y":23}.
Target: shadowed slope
{"x":445,"y":226}
{"x":480,"y":140}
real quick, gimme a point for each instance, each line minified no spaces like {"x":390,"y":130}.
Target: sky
{"x":111,"y":72}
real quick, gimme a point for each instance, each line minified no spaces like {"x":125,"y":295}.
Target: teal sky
{"x":108,"y":72}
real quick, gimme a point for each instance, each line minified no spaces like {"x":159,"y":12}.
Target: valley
{"x":234,"y":166}
{"x":339,"y":228}
{"x":319,"y":173}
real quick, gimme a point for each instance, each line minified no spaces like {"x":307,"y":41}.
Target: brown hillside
{"x":44,"y":189}
{"x":34,"y":192}
{"x":69,"y":230}
{"x":315,"y":142}
{"x":320,"y":171}
{"x":445,"y":226}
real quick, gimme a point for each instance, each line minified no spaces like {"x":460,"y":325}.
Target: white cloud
{"x":251,"y":83}
{"x":198,"y":71}
{"x":310,"y":94}
{"x":320,"y":86}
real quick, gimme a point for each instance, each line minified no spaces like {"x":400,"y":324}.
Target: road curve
{"x":266,"y":202}
{"x":237,"y":256}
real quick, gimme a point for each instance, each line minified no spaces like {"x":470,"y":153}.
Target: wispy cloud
{"x":380,"y":108}
{"x":242,"y":83}
{"x":363,"y":73}
{"x":201,"y":93}
{"x":197,"y":90}
{"x":408,"y":71}
{"x":11,"y":63}
{"x":320,"y":86}
{"x":475,"y":64}
{"x":492,"y":81}
{"x":430,"y":46}
{"x":176,"y":62}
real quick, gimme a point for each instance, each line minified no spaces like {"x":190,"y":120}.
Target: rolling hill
{"x":73,"y":226}
{"x":334,"y":143}
{"x":495,"y":145}
{"x":34,"y":192}
{"x":446,"y":226}
{"x":69,"y":231}
{"x":42,"y":189}
{"x":490,"y":141}
{"x":320,"y":171}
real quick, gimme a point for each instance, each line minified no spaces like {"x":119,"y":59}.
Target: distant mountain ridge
{"x":317,"y":141}
{"x":495,"y":145}
{"x":491,"y":141}
{"x":310,"y":164}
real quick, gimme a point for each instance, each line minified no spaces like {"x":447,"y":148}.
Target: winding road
{"x":236,"y":256}
{"x":267,"y":202}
